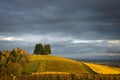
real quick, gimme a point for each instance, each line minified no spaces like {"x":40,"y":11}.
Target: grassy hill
{"x":47,"y":67}
{"x":102,"y":69}
{"x":47,"y":64}
{"x":53,"y":64}
{"x":15,"y":64}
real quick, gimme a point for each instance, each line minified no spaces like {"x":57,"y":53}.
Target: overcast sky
{"x":83,"y":28}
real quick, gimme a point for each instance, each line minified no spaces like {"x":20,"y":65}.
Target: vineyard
{"x":46,"y":63}
{"x":47,"y":67}
{"x":101,"y":69}
{"x":64,"y":77}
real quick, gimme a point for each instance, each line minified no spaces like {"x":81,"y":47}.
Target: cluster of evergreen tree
{"x":42,"y":49}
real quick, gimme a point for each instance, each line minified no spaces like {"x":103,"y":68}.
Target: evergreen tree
{"x":39,"y":49}
{"x":47,"y":49}
{"x":36,"y":49}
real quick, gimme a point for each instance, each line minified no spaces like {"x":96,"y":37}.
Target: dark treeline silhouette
{"x":42,"y":49}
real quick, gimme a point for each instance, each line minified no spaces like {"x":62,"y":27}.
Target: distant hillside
{"x":102,"y":69}
{"x":47,"y":64}
{"x":52,"y":64}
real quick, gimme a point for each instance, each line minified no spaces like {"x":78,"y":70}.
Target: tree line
{"x":41,"y":49}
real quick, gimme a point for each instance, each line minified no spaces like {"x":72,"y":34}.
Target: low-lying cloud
{"x":10,"y":39}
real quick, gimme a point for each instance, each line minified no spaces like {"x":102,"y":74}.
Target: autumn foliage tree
{"x":12,"y":62}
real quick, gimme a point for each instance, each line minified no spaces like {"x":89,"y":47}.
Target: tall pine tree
{"x":47,"y":49}
{"x":39,"y":49}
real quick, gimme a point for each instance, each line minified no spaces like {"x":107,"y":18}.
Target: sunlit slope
{"x":101,"y":69}
{"x":50,"y":64}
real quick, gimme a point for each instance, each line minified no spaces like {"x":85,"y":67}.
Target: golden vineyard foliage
{"x":102,"y":69}
{"x":49,"y":57}
{"x":48,"y":67}
{"x":44,"y":73}
{"x":48,"y":63}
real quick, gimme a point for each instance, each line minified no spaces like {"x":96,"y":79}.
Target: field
{"x":47,"y":67}
{"x":63,"y":77}
{"x":47,"y":63}
{"x":102,"y":69}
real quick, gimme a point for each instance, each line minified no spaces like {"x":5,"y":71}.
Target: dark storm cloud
{"x":68,"y":20}
{"x":74,"y":17}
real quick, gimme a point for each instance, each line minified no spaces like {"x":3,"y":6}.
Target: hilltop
{"x":52,"y":64}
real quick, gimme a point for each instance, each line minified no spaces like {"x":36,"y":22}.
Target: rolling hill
{"x":53,"y":64}
{"x":102,"y":69}
{"x":47,"y":64}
